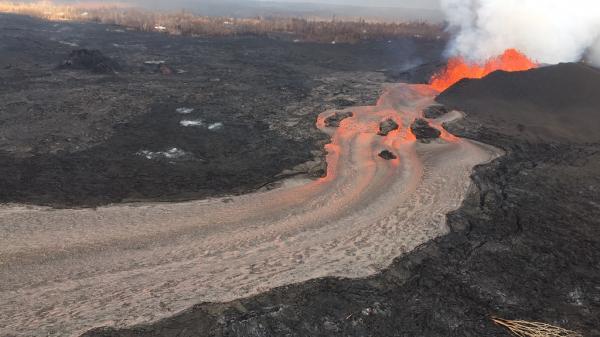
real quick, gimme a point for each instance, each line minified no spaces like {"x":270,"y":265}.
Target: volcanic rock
{"x":423,"y":131}
{"x":165,"y":69}
{"x":387,"y":155}
{"x":343,"y":102}
{"x":92,"y":60}
{"x":547,"y":104}
{"x":316,"y":168}
{"x":334,"y":120}
{"x":435,"y":111}
{"x":419,"y":74}
{"x":319,"y":169}
{"x":158,"y":67}
{"x":387,"y":126}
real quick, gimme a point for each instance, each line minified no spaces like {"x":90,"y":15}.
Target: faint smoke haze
{"x":423,"y":4}
{"x":391,"y":10}
{"x":549,"y":31}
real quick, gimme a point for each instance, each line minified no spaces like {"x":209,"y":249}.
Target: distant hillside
{"x":250,"y":8}
{"x":194,"y":23}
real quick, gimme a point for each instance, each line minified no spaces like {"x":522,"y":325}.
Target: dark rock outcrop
{"x":343,"y":102}
{"x":434,"y":111}
{"x":91,"y":60}
{"x":387,"y":155}
{"x":165,"y":70}
{"x":387,"y":126}
{"x":423,"y":131}
{"x":551,"y":104}
{"x":334,"y":120}
{"x":418,"y":74}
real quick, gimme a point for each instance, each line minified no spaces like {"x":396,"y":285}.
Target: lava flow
{"x":458,"y":68}
{"x":78,"y":267}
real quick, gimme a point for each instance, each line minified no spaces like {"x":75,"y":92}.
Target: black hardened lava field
{"x":93,"y":114}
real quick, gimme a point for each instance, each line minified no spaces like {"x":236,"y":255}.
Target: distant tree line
{"x":185,"y":23}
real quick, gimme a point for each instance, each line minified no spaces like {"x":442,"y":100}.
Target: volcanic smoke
{"x":550,"y":31}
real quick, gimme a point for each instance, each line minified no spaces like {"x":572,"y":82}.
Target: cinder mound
{"x":423,"y":131}
{"x":434,"y":111}
{"x":387,"y":155}
{"x":387,"y":126}
{"x":92,"y":60}
{"x":550,"y":104}
{"x":336,"y":119}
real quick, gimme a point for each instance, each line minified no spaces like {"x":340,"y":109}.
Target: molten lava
{"x":458,"y":68}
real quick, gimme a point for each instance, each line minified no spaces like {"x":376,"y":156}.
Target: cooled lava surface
{"x":173,"y":118}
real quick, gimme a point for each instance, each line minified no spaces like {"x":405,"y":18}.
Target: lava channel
{"x":71,"y":270}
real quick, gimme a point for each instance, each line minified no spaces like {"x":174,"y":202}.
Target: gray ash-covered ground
{"x":88,"y":112}
{"x":524,"y":245}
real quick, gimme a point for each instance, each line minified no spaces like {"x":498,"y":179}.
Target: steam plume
{"x":549,"y":31}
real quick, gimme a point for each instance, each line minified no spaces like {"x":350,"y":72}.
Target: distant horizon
{"x":413,"y":4}
{"x":408,"y":10}
{"x":384,"y":10}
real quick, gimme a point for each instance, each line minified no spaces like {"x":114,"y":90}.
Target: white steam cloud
{"x":548,"y":31}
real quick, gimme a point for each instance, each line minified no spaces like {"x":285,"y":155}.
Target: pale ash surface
{"x":63,"y":272}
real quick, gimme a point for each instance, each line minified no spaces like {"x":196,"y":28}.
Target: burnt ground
{"x":80,"y":129}
{"x":524,"y":245}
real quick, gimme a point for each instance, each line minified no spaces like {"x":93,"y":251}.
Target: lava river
{"x":65,"y":271}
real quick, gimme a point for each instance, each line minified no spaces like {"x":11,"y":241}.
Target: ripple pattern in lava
{"x":71,"y":270}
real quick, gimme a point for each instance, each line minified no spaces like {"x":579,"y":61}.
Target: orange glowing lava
{"x":458,"y":68}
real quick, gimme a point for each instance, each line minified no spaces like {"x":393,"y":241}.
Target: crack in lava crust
{"x":70,"y":270}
